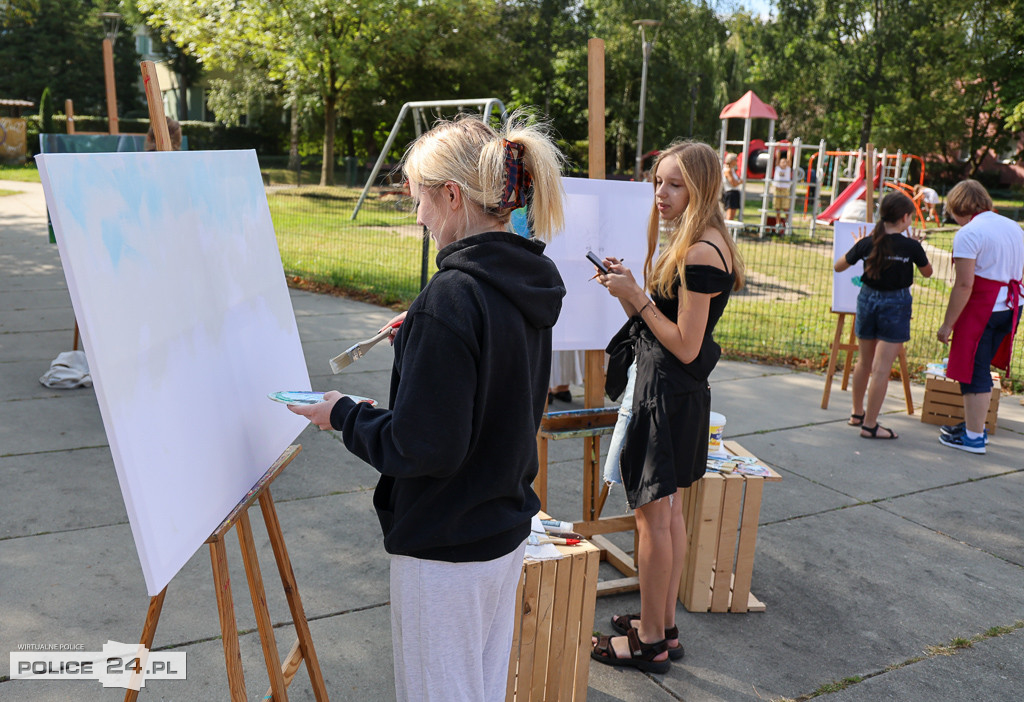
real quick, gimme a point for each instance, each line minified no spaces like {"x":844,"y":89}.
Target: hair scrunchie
{"x":517,"y":180}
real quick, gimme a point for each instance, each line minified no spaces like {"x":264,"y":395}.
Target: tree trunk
{"x":330,"y":110}
{"x":293,"y":148}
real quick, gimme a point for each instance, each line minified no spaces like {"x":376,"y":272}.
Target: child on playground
{"x":666,"y":441}
{"x":457,"y":449}
{"x":782,"y":178}
{"x":731,"y":183}
{"x":929,"y":200}
{"x":984,"y":306}
{"x":883,"y":306}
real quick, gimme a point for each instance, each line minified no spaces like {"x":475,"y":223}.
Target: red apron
{"x":971,"y":324}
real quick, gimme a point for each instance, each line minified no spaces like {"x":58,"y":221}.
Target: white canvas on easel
{"x":846,"y":285}
{"x":177,"y":284}
{"x":608,"y":217}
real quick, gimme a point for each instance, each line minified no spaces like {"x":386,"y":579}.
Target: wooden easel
{"x":590,"y":424}
{"x":851,"y":346}
{"x":280,"y":674}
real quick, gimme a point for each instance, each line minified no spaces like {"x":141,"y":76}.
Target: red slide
{"x":854,"y":191}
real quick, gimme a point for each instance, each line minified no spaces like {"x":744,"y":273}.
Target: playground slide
{"x":853,"y":191}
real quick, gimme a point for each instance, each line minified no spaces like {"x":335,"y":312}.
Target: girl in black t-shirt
{"x":883,"y":306}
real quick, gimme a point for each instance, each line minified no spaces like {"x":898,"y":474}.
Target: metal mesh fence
{"x":784,"y":313}
{"x":379,"y":253}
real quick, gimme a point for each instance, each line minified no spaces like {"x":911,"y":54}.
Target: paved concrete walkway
{"x":873,"y":556}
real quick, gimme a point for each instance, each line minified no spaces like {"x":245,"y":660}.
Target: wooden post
{"x":69,"y":112}
{"x":108,"y":79}
{"x":869,"y":183}
{"x":157,"y":118}
{"x":593,"y":363}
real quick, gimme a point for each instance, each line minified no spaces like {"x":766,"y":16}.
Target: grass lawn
{"x":784,"y":314}
{"x":379,"y":253}
{"x":25,"y":173}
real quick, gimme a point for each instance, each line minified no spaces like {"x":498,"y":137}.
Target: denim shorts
{"x":995,"y":331}
{"x":883,"y":314}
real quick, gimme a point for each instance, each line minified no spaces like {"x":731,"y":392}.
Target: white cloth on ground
{"x":69,"y":370}
{"x":452,"y":626}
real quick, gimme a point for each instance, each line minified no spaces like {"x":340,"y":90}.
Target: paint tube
{"x":553,"y":526}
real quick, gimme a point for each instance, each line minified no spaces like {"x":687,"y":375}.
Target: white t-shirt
{"x":782,"y":177}
{"x":930,"y":196}
{"x":996,"y":244}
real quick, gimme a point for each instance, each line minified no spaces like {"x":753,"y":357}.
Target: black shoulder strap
{"x":724,"y":264}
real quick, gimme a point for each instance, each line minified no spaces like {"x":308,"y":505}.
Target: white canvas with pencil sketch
{"x":608,"y":217}
{"x":177,"y":285}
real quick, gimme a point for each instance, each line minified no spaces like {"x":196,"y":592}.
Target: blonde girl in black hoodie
{"x":457,"y":449}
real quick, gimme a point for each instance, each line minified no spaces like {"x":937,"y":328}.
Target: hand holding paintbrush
{"x":357,"y":351}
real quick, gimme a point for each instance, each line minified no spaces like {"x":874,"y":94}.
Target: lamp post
{"x":647,"y":46}
{"x":111,"y":23}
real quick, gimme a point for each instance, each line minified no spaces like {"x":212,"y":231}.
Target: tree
{"x":687,"y":69}
{"x":935,"y":78}
{"x":328,"y":49}
{"x":46,"y":112}
{"x":57,"y":44}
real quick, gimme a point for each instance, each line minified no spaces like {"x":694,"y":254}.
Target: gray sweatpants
{"x":452,"y":626}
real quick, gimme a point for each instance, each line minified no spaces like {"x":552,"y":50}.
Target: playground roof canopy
{"x":750,"y":106}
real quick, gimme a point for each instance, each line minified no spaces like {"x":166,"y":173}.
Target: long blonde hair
{"x":470,"y":153}
{"x":702,"y":175}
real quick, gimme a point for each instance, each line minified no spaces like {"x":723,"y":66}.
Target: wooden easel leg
{"x":156,"y":604}
{"x":851,"y":346}
{"x":602,"y":498}
{"x":591,"y":476}
{"x":259,"y":606}
{"x":228,"y":625}
{"x":905,"y":376}
{"x":832,"y":357}
{"x":304,"y":641}
{"x":540,"y":483}
{"x":74,"y":345}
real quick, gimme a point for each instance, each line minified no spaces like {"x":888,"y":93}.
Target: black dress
{"x":666,"y":443}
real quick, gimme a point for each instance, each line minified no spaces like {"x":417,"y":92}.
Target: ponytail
{"x":881,"y":247}
{"x":472,"y":154}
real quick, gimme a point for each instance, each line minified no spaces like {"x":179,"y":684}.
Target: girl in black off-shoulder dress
{"x":670,"y":333}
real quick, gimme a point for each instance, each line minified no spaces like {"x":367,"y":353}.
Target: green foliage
{"x":58,"y":44}
{"x":938,"y":79}
{"x":46,"y":112}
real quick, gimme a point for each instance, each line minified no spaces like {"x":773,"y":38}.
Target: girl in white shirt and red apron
{"x":984,"y":306}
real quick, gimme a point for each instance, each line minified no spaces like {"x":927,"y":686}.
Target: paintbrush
{"x":357,"y":351}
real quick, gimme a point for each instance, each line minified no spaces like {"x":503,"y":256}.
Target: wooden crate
{"x":943,"y":403}
{"x":721,"y":512}
{"x":554,"y":620}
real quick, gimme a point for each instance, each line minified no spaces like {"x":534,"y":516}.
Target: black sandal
{"x":641,"y":655}
{"x":622,"y":623}
{"x":872,"y":432}
{"x":856,"y":420}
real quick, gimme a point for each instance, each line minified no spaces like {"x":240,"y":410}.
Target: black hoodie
{"x":457,"y":451}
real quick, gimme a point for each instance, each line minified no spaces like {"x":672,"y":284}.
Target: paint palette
{"x":305,"y":397}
